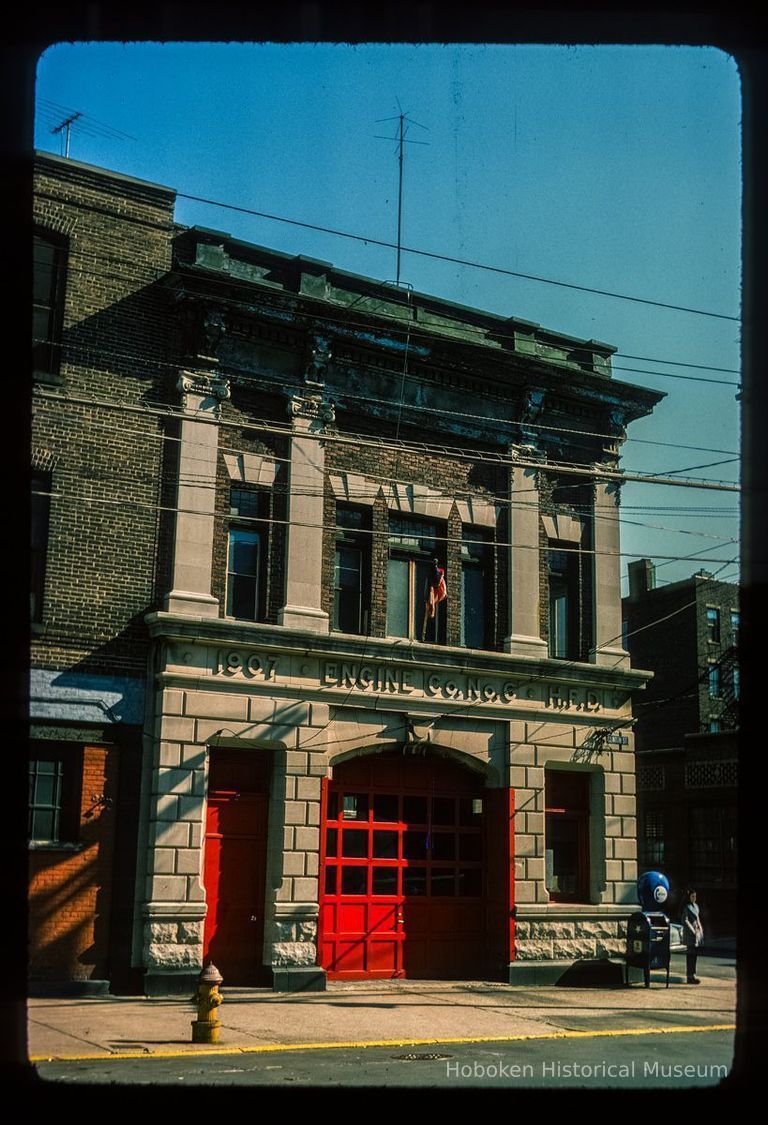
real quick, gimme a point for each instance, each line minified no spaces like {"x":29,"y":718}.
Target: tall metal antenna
{"x":402,"y":140}
{"x":67,"y":124}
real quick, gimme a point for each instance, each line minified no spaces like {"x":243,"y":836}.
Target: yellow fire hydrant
{"x":205,"y":1029}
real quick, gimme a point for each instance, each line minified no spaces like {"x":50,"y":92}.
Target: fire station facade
{"x":335,"y":783}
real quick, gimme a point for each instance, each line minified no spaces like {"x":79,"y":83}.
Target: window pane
{"x":443,"y":882}
{"x":444,"y":846}
{"x":470,"y":846}
{"x":473,"y":607}
{"x":398,"y":574}
{"x":330,"y":880}
{"x":347,"y":584}
{"x":558,"y":620}
{"x":443,"y":810}
{"x":414,"y":845}
{"x":471,"y":882}
{"x":354,"y":806}
{"x":415,"y":810}
{"x":562,"y":833}
{"x":414,"y":881}
{"x":385,"y":845}
{"x":385,"y":807}
{"x":331,"y":841}
{"x":384,"y":881}
{"x":470,"y":810}
{"x":244,"y":551}
{"x":354,"y":845}
{"x":354,"y":880}
{"x":243,"y":593}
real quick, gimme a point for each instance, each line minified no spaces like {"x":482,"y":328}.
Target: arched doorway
{"x":405,"y":888}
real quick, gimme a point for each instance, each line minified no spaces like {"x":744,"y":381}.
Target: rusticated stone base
{"x":572,"y":940}
{"x":173,"y":945}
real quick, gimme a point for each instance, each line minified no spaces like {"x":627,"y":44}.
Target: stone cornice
{"x":222,"y":632}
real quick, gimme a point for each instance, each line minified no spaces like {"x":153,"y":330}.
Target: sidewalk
{"x":376,"y":1012}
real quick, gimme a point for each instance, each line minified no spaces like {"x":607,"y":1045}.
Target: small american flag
{"x":436,"y":591}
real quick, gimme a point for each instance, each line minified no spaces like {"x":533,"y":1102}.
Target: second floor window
{"x":413,"y":546}
{"x":351,"y":571}
{"x":247,"y":556}
{"x":713,"y":625}
{"x":475,"y":588}
{"x":563,"y":604}
{"x":714,"y":680}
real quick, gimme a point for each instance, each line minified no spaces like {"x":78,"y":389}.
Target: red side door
{"x":235,"y":864}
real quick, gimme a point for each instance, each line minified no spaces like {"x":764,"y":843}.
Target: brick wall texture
{"x":70,"y":892}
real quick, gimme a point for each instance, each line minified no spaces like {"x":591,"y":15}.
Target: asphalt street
{"x":403,"y":1033}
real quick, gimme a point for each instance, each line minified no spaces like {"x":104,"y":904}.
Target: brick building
{"x":686,"y":736}
{"x":247,"y":468}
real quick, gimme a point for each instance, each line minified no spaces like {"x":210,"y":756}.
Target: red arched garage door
{"x":405,"y":891}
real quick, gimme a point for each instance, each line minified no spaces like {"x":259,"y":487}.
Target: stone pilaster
{"x":310,"y":414}
{"x":524,"y":634}
{"x":202,"y":394}
{"x":607,"y":650}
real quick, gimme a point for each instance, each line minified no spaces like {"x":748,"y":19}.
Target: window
{"x":714,"y":726}
{"x":567,"y":835}
{"x":563,"y":604}
{"x":714,"y":681}
{"x":736,"y":681}
{"x":653,"y":838}
{"x":712,"y":843}
{"x":475,"y":588}
{"x":48,"y":299}
{"x":41,"y":502}
{"x":247,"y":556}
{"x":352,"y":570}
{"x":713,"y":625}
{"x":412,"y":550}
{"x":54,"y":795}
{"x":735,"y":622}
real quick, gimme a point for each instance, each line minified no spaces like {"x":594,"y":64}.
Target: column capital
{"x":202,"y":392}
{"x":314,"y":408}
{"x":521,"y":451}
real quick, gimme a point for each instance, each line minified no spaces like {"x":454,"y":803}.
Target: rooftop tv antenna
{"x":67,"y":124}
{"x":402,"y":139}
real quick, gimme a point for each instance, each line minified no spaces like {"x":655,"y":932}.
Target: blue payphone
{"x":648,"y":930}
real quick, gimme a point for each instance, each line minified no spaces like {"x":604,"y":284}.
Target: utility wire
{"x":456,"y":453}
{"x":451,"y":259}
{"x":253,"y":381}
{"x":264,"y":520}
{"x":418,"y":333}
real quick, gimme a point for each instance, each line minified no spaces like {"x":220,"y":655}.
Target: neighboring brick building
{"x":101,"y":244}
{"x":254,"y":460}
{"x":686,"y":736}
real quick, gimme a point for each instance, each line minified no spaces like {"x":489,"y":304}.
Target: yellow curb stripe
{"x":202,"y":1052}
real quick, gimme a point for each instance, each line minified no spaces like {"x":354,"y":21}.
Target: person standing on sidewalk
{"x":693,"y":934}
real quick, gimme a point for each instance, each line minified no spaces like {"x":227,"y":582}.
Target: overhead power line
{"x":399,"y":324}
{"x":453,"y":260}
{"x":267,"y":426}
{"x":250,"y":380}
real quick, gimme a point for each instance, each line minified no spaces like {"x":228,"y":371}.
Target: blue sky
{"x":616,"y":168}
